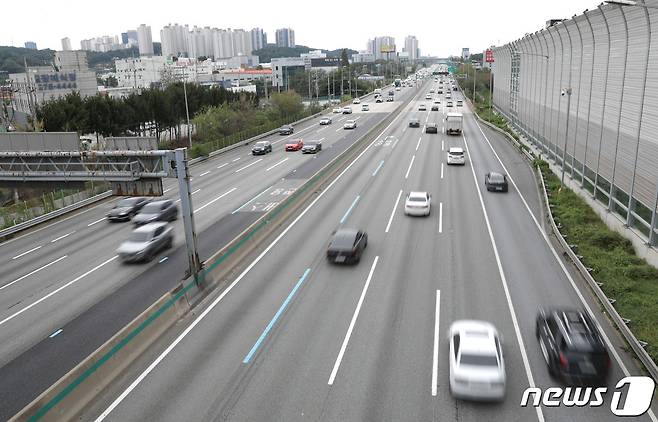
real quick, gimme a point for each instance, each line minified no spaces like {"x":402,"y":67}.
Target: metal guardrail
{"x":630,"y":338}
{"x":53,"y":214}
{"x":642,"y":354}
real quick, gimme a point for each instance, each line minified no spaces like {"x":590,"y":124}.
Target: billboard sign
{"x":387,"y":49}
{"x":488,"y":56}
{"x":326,"y":62}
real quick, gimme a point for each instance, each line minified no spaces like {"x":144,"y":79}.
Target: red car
{"x":294,"y":145}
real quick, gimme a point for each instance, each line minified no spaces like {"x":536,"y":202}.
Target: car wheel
{"x":170,"y":243}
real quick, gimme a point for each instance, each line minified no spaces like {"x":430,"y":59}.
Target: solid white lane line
{"x":248,"y":165}
{"x":280,"y":162}
{"x":230,"y":287}
{"x":32,"y":272}
{"x":204,"y":173}
{"x":249,"y":201}
{"x":564,"y":268}
{"x":62,"y":237}
{"x":435,"y":354}
{"x":441,"y":170}
{"x":410,"y":164}
{"x":418,"y":144}
{"x":97,"y":221}
{"x":440,"y":217}
{"x":222,"y":165}
{"x":503,"y":279}
{"x":214,"y":200}
{"x":178,"y":200}
{"x":27,"y":252}
{"x":54,"y":292}
{"x":395,"y":206}
{"x":332,"y":377}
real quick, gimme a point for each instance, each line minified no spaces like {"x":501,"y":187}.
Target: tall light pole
{"x":567,"y":92}
{"x":187,"y":111}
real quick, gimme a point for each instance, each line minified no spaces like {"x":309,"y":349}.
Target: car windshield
{"x":140,"y":237}
{"x":460,"y":153}
{"x":417,"y":199}
{"x":497,"y":178}
{"x":152,"y":208}
{"x":478,"y":360}
{"x":261,"y":144}
{"x":344,"y":240}
{"x":127,"y":202}
{"x":311,"y":143}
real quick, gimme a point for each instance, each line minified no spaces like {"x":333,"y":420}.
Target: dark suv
{"x":572,"y":346}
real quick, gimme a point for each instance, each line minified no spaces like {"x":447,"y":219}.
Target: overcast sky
{"x":442,"y":27}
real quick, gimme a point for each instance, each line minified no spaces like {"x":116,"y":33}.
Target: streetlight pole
{"x":187,"y":111}
{"x":567,"y":92}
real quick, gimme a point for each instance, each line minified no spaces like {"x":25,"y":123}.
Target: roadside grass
{"x":624,"y":276}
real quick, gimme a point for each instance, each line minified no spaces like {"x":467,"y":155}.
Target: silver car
{"x":145,"y":242}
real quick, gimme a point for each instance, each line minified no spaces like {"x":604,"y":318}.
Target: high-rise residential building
{"x":31,"y":45}
{"x":258,"y":38}
{"x":383,"y":48}
{"x":102,"y":44}
{"x":466,"y":54}
{"x":285,"y":37}
{"x":144,"y":40}
{"x":209,"y":42}
{"x":175,"y":40}
{"x":66,"y":44}
{"x":411,"y":48}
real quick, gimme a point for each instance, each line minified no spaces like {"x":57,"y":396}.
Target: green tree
{"x":285,"y":104}
{"x":344,"y":61}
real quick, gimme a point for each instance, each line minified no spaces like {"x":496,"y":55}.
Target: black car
{"x":435,"y":107}
{"x":572,"y":346}
{"x":261,"y":148}
{"x":431,"y":128}
{"x":495,"y":181}
{"x":414,"y":122}
{"x":126,"y":209}
{"x":312,"y":147}
{"x":157,"y":211}
{"x":347,"y":246}
{"x":286,"y":130}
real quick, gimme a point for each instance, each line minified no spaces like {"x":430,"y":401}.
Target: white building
{"x":314,"y":54}
{"x":144,"y":40}
{"x":383,"y":48}
{"x":411,"y":48}
{"x":174,"y":40}
{"x":179,"y":41}
{"x":141,"y":72}
{"x":66,"y":44}
{"x":363,"y":57}
{"x":285,"y":37}
{"x":258,"y":39}
{"x":102,"y":44}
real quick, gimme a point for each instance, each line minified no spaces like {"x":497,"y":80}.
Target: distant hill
{"x":266,"y":54}
{"x":12,"y":59}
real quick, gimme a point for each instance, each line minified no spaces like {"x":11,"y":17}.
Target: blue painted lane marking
{"x":276,"y":317}
{"x":349,"y":210}
{"x":381,"y":163}
{"x":56,"y":333}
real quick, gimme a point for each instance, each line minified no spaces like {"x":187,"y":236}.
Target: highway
{"x":295,"y":338}
{"x":63,"y":291}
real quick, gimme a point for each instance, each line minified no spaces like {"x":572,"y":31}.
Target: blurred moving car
{"x":422,"y":107}
{"x":312,"y":147}
{"x":417,"y":203}
{"x":356,"y":101}
{"x":325,"y":121}
{"x":294,"y":144}
{"x":379,"y":100}
{"x":145,"y":242}
{"x":435,"y":107}
{"x":165,"y":210}
{"x":261,"y":148}
{"x":456,"y":156}
{"x":338,"y":110}
{"x":286,"y":130}
{"x":477,"y":367}
{"x":496,"y":181}
{"x":349,"y":124}
{"x":126,"y":209}
{"x":347,"y":246}
{"x":347,"y":110}
{"x":428,"y":96}
{"x":448,"y":103}
{"x":460,"y":103}
{"x":431,"y":127}
{"x":572,"y":346}
{"x":414,"y":122}
{"x":365,"y":107}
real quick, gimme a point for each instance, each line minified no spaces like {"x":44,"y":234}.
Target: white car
{"x":338,"y":110}
{"x":437,"y":101}
{"x":397,"y":88}
{"x":325,"y":121}
{"x":456,"y":156}
{"x":428,"y":96}
{"x":347,"y":110}
{"x":356,"y":101}
{"x":365,"y":107}
{"x":477,"y":368}
{"x":417,"y":203}
{"x":448,"y":96}
{"x":449,"y":104}
{"x":349,"y":124}
{"x":422,"y":107}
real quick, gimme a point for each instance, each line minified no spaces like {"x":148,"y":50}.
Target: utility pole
{"x":474,"y":79}
{"x":567,"y":92}
{"x":188,"y":215}
{"x":187,"y":111}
